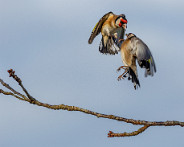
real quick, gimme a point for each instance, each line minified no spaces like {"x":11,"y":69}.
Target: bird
{"x":106,"y":25}
{"x":133,"y":49}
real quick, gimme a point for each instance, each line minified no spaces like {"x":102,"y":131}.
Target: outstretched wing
{"x":144,"y":56}
{"x":98,"y":27}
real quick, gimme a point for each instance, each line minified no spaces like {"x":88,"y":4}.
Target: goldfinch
{"x":133,"y":49}
{"x":106,"y":25}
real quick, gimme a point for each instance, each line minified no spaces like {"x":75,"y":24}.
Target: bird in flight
{"x":113,"y":27}
{"x":107,"y":25}
{"x":133,"y":49}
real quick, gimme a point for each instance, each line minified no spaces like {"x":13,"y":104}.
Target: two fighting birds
{"x":112,"y":28}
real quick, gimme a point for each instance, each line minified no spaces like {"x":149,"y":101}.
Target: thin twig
{"x":12,"y":94}
{"x":125,"y":134}
{"x":16,"y":78}
{"x":11,"y":89}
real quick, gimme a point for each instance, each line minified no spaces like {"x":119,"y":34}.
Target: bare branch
{"x":32,"y":100}
{"x":16,"y":78}
{"x":11,"y":89}
{"x":125,"y":134}
{"x":10,"y":93}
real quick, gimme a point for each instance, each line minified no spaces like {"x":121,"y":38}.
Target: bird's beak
{"x":123,"y":23}
{"x":123,"y":20}
{"x":124,"y":26}
{"x":126,"y":35}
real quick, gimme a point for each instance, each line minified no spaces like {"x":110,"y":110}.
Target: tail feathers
{"x":133,"y":77}
{"x":149,"y":66}
{"x":108,"y":48}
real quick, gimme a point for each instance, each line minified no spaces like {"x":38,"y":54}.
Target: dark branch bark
{"x":32,"y":100}
{"x":125,"y":134}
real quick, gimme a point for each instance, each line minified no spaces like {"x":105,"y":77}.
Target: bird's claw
{"x":118,"y":69}
{"x":121,"y":67}
{"x":120,"y":77}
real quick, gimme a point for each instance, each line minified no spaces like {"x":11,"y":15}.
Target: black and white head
{"x":130,"y":35}
{"x":121,"y":21}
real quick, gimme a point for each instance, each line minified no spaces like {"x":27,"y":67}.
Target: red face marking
{"x":123,"y":20}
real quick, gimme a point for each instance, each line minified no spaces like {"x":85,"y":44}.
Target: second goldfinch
{"x":133,"y":49}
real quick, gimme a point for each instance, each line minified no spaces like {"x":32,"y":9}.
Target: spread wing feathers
{"x":144,"y":56}
{"x":111,"y":48}
{"x":98,"y":27}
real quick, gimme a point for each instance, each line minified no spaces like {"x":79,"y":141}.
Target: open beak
{"x":124,"y":26}
{"x":123,"y":23}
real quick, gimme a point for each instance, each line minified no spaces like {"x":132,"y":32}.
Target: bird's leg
{"x":125,"y":72}
{"x":123,"y":67}
{"x":120,"y":40}
{"x":122,"y":75}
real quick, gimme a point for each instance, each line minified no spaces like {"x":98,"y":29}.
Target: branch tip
{"x":12,"y":74}
{"x":110,"y":134}
{"x":16,"y":78}
{"x":125,"y":134}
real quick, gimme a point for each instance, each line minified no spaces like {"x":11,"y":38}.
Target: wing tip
{"x":89,"y":42}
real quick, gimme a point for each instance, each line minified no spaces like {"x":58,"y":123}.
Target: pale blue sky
{"x":45,"y":41}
